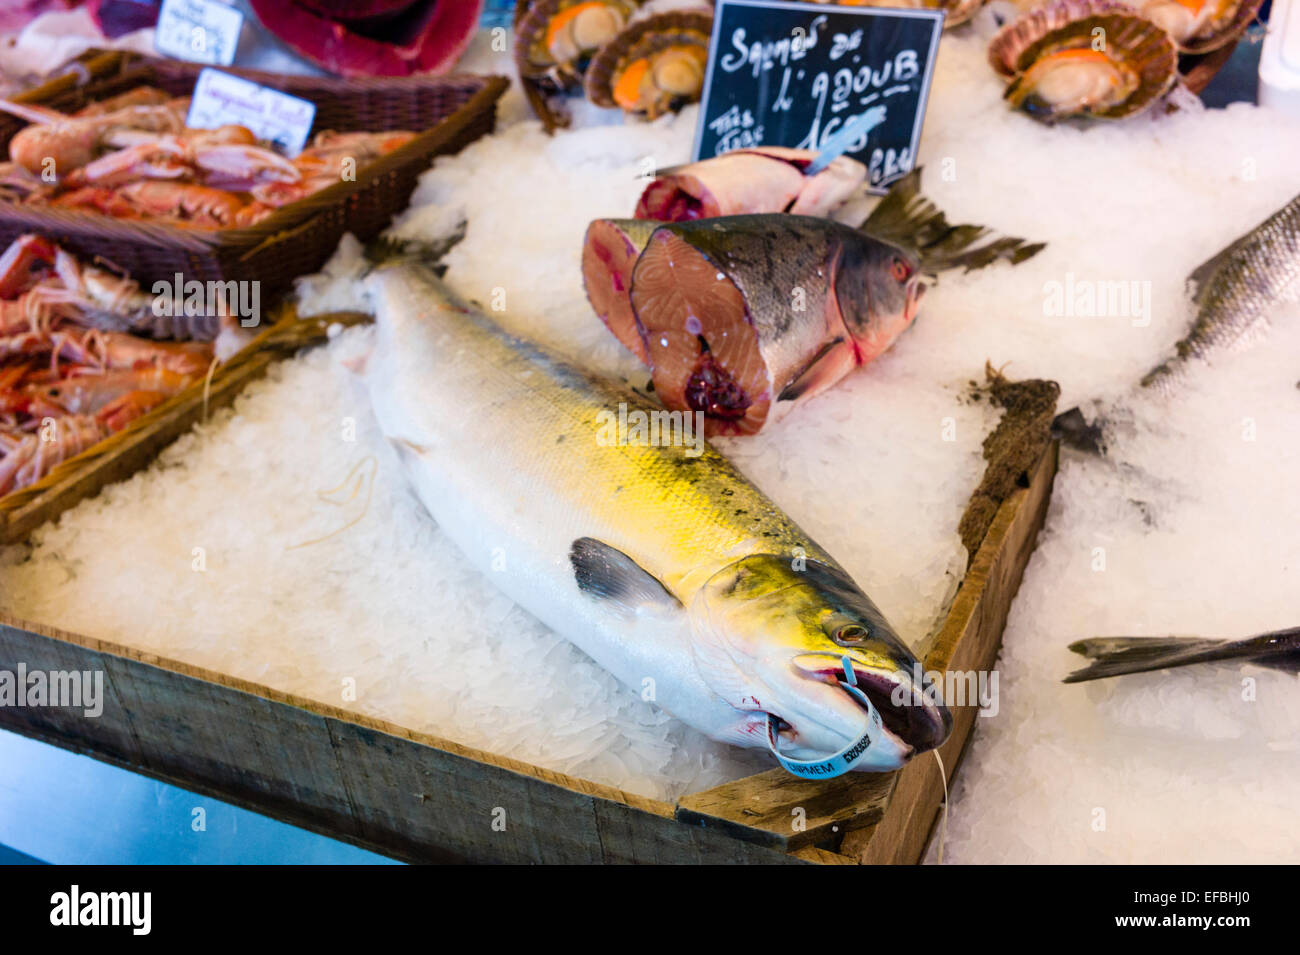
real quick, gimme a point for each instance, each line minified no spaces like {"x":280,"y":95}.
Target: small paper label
{"x":221,"y":99}
{"x":201,"y":31}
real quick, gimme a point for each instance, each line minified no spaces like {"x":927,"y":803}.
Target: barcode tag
{"x":201,"y":31}
{"x":220,"y":98}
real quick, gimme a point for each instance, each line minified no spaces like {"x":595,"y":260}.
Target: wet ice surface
{"x":1195,"y":511}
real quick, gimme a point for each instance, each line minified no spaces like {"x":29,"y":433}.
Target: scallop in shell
{"x":555,"y":38}
{"x":1084,"y":58}
{"x":1199,"y":26}
{"x":655,"y":65}
{"x":959,"y":11}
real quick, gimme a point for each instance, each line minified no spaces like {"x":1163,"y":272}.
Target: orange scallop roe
{"x":627,"y":91}
{"x":565,"y":16}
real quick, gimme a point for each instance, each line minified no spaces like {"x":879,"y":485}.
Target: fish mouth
{"x":913,"y":719}
{"x":919,"y":721}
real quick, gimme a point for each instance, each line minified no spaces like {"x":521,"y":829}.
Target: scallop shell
{"x":1141,"y":58}
{"x":959,"y":11}
{"x":643,"y":39}
{"x":1228,"y":21}
{"x":533,"y":57}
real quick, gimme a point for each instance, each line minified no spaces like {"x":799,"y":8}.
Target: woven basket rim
{"x":108,"y":65}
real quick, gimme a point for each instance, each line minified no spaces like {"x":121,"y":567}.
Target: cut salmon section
{"x":744,"y":316}
{"x":703,"y":348}
{"x":609,"y":253}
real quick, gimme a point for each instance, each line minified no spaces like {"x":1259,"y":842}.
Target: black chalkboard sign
{"x":791,"y":74}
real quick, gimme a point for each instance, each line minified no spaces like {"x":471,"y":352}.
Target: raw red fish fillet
{"x":766,"y":179}
{"x":608,"y":255}
{"x":374,"y":37}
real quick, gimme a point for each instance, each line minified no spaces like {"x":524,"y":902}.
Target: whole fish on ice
{"x":1236,"y":289}
{"x":661,"y":562}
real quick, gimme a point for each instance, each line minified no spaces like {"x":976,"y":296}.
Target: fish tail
{"x":295,"y":331}
{"x":387,"y":250}
{"x":907,"y":218}
{"x":1116,"y":656}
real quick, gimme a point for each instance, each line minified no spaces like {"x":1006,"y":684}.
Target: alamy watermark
{"x":684,"y":429}
{"x":951,"y":688}
{"x":130,"y":909}
{"x":243,"y":300}
{"x":66,"y":688}
{"x":1089,"y":298}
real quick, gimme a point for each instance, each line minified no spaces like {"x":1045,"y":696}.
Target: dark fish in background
{"x":1115,"y":656}
{"x":1235,"y":291}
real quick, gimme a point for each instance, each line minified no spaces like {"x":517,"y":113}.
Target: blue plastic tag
{"x":839,"y":763}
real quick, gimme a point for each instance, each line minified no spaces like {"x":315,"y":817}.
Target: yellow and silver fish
{"x":656,"y":558}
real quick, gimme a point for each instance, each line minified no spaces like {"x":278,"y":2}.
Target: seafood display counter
{"x":575,"y":496}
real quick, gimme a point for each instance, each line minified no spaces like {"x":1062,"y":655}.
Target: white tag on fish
{"x":837,"y":764}
{"x":200,"y":31}
{"x":220,"y":98}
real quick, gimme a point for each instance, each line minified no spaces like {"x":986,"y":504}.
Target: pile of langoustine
{"x":72,"y":368}
{"x":742,"y":298}
{"x":133,"y":157}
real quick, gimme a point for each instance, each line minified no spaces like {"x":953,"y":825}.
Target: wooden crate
{"x":418,"y":797}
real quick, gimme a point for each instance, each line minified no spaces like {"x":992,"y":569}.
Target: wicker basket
{"x":448,"y":112}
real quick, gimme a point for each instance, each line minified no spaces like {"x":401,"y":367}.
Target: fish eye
{"x":851,"y":635}
{"x":900,"y":270}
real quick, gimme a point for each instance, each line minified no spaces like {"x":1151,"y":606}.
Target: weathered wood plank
{"x":784,"y":812}
{"x":414,"y":796}
{"x":110,"y":732}
{"x":969,"y":641}
{"x":823,"y":857}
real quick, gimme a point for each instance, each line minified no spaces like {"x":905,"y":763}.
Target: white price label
{"x":220,"y":98}
{"x":201,"y":31}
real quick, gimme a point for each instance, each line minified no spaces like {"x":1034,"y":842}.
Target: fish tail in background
{"x":908,"y":219}
{"x":388,"y":249}
{"x":1116,"y":656}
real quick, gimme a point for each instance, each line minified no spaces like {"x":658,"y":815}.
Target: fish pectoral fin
{"x":810,"y":376}
{"x":607,"y":573}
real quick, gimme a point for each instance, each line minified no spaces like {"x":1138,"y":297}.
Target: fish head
{"x":788,"y":629}
{"x":879,"y":288}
